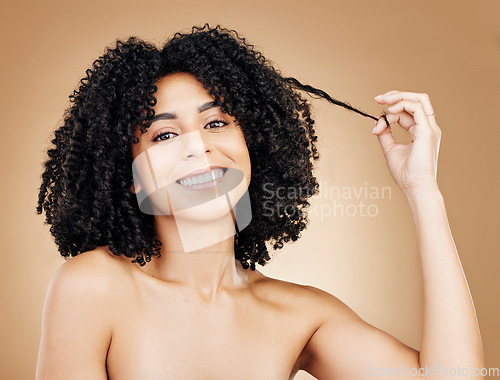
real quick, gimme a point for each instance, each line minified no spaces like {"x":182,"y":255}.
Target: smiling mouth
{"x":205,"y":180}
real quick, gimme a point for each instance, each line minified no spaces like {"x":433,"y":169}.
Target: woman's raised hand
{"x":413,"y":166}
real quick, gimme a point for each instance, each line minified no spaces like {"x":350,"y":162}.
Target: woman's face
{"x":190,"y":134}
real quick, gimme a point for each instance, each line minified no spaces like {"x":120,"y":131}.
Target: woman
{"x":162,"y":158}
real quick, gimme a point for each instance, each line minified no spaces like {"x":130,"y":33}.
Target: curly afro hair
{"x":88,"y":172}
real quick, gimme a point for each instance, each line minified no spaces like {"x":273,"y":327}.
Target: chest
{"x":171,"y":336}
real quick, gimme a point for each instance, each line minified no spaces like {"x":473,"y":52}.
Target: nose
{"x":194,"y":145}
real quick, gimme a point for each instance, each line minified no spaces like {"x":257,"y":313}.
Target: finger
{"x":392,"y":97}
{"x":386,"y":140}
{"x":412,"y":96}
{"x":381,"y":98}
{"x":416,"y":108}
{"x":404,"y":119}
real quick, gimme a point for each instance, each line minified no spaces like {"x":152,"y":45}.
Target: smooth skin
{"x":202,"y":316}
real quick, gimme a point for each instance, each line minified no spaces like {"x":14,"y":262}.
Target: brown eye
{"x":163,"y":136}
{"x":217,"y":124}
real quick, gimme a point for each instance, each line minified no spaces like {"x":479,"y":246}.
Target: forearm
{"x":450,"y":335}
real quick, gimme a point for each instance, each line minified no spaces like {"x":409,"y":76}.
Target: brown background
{"x":352,"y":49}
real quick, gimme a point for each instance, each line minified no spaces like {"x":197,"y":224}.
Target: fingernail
{"x":373,"y":131}
{"x":390,"y":108}
{"x":378,"y":96}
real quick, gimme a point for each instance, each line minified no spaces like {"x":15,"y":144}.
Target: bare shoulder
{"x":97,"y":270}
{"x":78,"y":317}
{"x":99,"y":257}
{"x":340,"y":344}
{"x":319,"y":303}
{"x":91,"y":278}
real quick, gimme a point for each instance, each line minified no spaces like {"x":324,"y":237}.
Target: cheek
{"x":238,"y":152}
{"x":163,"y":159}
{"x":154,"y":167}
{"x":243,"y":159}
{"x":235,"y":147}
{"x":247,"y":169}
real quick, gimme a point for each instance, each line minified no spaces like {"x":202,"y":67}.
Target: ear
{"x":134,"y":189}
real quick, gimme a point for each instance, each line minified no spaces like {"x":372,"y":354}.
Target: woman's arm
{"x":76,"y":328}
{"x":346,"y":347}
{"x":450,"y":336}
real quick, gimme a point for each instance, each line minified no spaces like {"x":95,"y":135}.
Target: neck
{"x":198,"y":255}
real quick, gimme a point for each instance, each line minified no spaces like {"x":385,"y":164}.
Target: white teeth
{"x":203,"y":178}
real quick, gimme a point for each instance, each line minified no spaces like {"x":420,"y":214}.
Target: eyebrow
{"x":169,"y":115}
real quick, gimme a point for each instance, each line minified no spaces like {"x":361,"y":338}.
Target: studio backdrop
{"x":361,"y":243}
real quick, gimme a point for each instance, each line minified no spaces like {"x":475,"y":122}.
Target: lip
{"x":201,"y":171}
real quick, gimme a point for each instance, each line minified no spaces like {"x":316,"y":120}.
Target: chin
{"x":219,"y":208}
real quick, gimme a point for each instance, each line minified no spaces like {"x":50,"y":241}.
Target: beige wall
{"x":352,"y":49}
